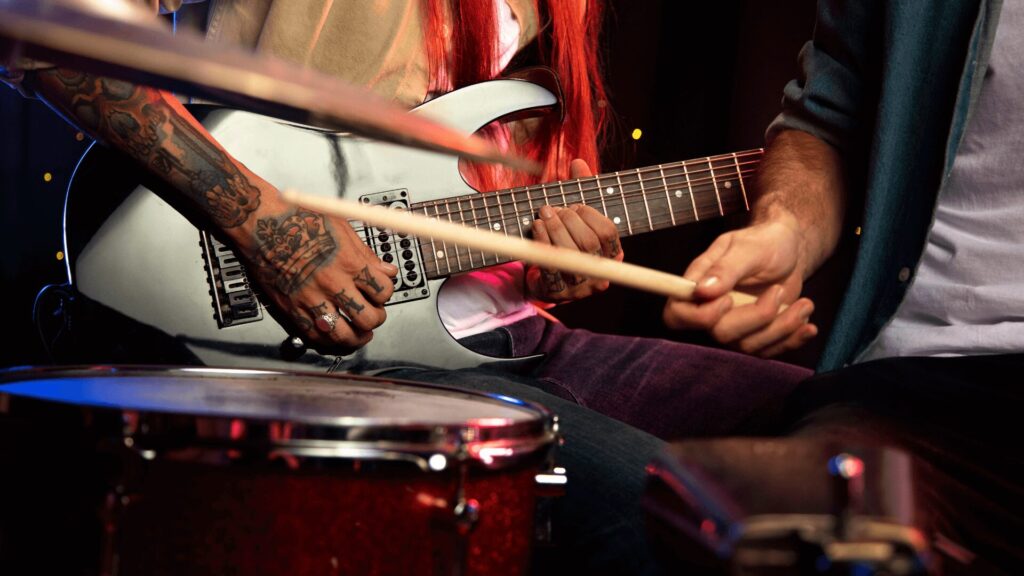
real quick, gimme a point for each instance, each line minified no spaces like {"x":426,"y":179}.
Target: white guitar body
{"x":147,"y":262}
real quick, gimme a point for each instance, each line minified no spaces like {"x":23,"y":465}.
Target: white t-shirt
{"x":967,"y":296}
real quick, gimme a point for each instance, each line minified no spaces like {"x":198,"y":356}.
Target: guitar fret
{"x":713,"y":174}
{"x":668,"y":197}
{"x":604,"y":204}
{"x":462,"y":221}
{"x":643,"y":194}
{"x":460,"y":263}
{"x":583,"y":197}
{"x":529,"y":203}
{"x":689,"y":188}
{"x":444,"y":245}
{"x":515,"y":212}
{"x":433,"y":247}
{"x":739,"y":176}
{"x":714,"y":182}
{"x":476,"y":224}
{"x":625,"y":206}
{"x":490,"y":223}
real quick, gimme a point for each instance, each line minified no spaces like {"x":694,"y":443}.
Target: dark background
{"x":697,"y":78}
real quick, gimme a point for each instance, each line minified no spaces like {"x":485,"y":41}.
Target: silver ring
{"x":330,"y":318}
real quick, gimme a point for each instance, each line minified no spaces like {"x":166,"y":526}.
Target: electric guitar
{"x":141,"y":257}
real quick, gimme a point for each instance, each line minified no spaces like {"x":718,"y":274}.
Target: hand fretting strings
{"x":678,"y":192}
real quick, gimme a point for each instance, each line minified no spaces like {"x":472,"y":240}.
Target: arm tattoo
{"x":348,"y":303}
{"x":139,"y":122}
{"x":364,"y":277}
{"x":292,"y":248}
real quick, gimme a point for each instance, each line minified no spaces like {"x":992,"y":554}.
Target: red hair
{"x":567,"y":44}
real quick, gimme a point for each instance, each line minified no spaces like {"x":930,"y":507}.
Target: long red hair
{"x":567,"y":43}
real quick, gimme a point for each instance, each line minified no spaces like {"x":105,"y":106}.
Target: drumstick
{"x":545,"y":255}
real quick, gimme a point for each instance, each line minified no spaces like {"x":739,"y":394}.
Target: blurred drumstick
{"x":545,"y":255}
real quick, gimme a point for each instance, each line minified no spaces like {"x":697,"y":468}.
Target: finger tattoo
{"x":348,"y":303}
{"x":364,"y":277}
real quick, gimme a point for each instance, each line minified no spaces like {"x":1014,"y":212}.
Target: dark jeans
{"x":669,"y":389}
{"x":615,"y":396}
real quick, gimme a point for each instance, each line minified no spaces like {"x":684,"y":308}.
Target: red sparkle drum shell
{"x":259,"y":472}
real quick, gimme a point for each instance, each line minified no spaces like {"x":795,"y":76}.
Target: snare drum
{"x":257,"y":472}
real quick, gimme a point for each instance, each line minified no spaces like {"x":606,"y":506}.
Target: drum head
{"x":258,"y":394}
{"x":336,"y":408}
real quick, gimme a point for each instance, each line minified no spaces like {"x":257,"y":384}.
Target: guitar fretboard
{"x":638,"y":200}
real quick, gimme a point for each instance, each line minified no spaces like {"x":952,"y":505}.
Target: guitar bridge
{"x":234,"y":300}
{"x":399,"y":248}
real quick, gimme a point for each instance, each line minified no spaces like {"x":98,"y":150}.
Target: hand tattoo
{"x":364,"y":277}
{"x":553,"y":281}
{"x":616,"y":248}
{"x":138,"y":121}
{"x":348,"y":303}
{"x":292,"y":248}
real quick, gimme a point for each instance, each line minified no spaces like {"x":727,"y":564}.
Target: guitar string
{"x":686,"y":215}
{"x":693,"y":182}
{"x":559,"y":186}
{"x":635,"y":197}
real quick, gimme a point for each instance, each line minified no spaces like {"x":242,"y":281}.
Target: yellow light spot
{"x":857,"y":231}
{"x":60,"y":255}
{"x":79,"y":136}
{"x":637,"y":133}
{"x":47,"y":177}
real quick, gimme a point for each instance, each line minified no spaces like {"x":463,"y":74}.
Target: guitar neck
{"x":637,"y":201}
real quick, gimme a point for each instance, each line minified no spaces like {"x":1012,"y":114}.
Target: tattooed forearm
{"x":292,"y":248}
{"x":348,"y":303}
{"x":364,"y":277}
{"x":143,"y":123}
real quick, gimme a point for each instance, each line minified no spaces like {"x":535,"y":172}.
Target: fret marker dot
{"x":616,"y":219}
{"x":526,"y":221}
{"x":497,"y":226}
{"x":609,"y":190}
{"x":440,"y":254}
{"x":679,"y":193}
{"x":728,"y":184}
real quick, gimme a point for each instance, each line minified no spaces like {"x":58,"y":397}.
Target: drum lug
{"x":467,"y":515}
{"x":549,"y":485}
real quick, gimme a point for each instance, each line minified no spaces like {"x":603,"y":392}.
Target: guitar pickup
{"x":396,"y":248}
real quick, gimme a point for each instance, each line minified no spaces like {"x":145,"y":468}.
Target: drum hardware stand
{"x":549,"y":485}
{"x":847,"y":538}
{"x":119,"y":497}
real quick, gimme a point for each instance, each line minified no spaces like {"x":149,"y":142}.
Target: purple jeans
{"x":669,"y":389}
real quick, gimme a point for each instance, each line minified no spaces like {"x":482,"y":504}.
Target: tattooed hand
{"x":324,"y":281}
{"x":578,"y":227}
{"x":322,"y":276}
